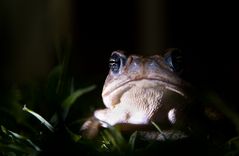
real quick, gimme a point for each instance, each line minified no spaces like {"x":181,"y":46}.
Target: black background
{"x":206,"y":33}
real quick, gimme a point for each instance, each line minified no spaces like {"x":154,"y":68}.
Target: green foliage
{"x":54,"y":103}
{"x":112,"y":140}
{"x":18,"y":142}
{"x":233,"y":146}
{"x":132,"y":140}
{"x":28,"y":135}
{"x":40,"y":118}
{"x":70,"y":100}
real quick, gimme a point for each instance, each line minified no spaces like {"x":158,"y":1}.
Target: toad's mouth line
{"x":168,"y":85}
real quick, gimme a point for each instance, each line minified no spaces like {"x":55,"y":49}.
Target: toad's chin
{"x":111,"y":97}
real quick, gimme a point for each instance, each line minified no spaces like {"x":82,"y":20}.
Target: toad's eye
{"x":116,"y":62}
{"x":173,"y":58}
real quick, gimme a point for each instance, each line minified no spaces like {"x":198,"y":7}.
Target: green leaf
{"x":74,"y":137}
{"x":69,"y":101}
{"x":223,"y":107}
{"x":13,"y":148}
{"x":132,"y":140}
{"x":19,"y":138}
{"x":114,"y":136}
{"x":39,"y":117}
{"x":158,"y":128}
{"x":234,"y":141}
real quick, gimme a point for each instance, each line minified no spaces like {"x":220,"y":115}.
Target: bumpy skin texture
{"x":144,"y":89}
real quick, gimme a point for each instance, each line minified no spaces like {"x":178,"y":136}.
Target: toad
{"x":144,"y":90}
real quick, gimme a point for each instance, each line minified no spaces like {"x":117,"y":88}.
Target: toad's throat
{"x":157,"y":82}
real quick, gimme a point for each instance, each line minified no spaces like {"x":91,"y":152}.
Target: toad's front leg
{"x":119,"y":115}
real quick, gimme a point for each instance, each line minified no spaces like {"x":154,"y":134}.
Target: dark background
{"x":33,"y":34}
{"x":38,"y":35}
